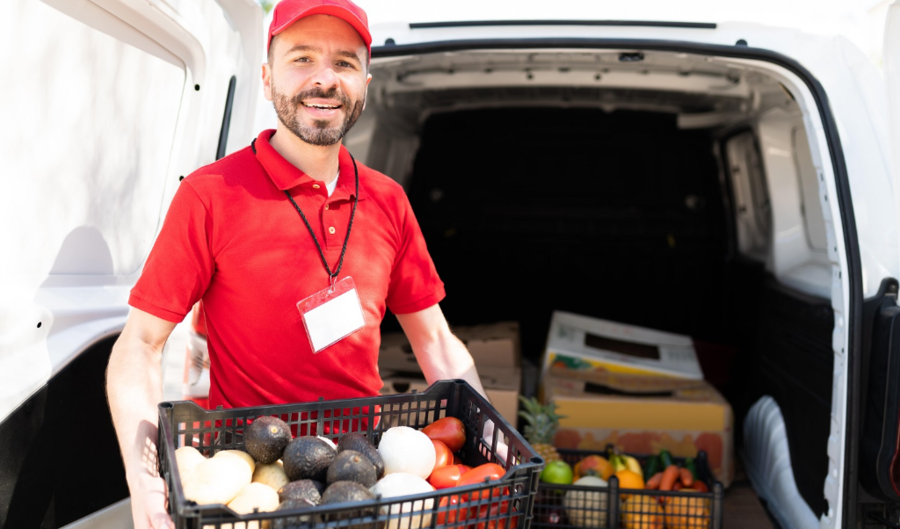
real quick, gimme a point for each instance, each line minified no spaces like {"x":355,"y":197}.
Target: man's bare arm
{"x":134,"y":388}
{"x":440,"y":354}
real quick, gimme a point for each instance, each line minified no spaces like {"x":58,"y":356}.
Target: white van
{"x":727,"y":181}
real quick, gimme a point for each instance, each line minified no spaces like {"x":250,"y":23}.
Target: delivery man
{"x":295,"y":248}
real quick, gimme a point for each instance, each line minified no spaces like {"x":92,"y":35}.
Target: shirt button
{"x":331,"y":230}
{"x":315,"y":186}
{"x":326,"y":206}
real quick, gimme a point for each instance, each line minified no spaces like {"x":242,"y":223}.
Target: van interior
{"x":666,"y":190}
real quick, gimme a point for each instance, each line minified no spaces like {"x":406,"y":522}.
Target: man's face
{"x":317,"y":77}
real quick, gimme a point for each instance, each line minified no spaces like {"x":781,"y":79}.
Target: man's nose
{"x":325,"y":77}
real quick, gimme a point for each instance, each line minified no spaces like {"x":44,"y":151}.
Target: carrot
{"x":670,"y":474}
{"x":687,"y":479}
{"x":700,"y":486}
{"x":653,"y":483}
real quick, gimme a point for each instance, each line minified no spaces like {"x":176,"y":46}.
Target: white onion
{"x":404,"y":449}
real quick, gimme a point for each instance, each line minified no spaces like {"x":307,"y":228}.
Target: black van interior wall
{"x":59,"y":457}
{"x":619,"y":216}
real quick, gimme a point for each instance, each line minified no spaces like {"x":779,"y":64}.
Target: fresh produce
{"x":350,"y":465}
{"x":443,"y":455}
{"x":558,"y":473}
{"x":217,"y":480}
{"x":243,"y":456}
{"x":687,"y":479}
{"x":670,"y":475}
{"x":642,"y":512}
{"x":629,"y":480}
{"x":593,"y":465}
{"x":665,"y":458}
{"x":292,"y":521}
{"x":304,"y":489}
{"x":347,"y":491}
{"x":272,"y":475}
{"x":446,"y":477}
{"x":266,"y":438}
{"x":448,"y":430}
{"x":684,"y":512}
{"x":186,"y":459}
{"x":654,"y":481}
{"x":402,"y":484}
{"x":308,"y":457}
{"x":361,"y":444}
{"x":477,"y":475}
{"x":652,"y":465}
{"x":588,"y":508}
{"x":543,"y":421}
{"x":254,"y":496}
{"x":454,"y":513}
{"x":404,"y":449}
{"x":625,"y":462}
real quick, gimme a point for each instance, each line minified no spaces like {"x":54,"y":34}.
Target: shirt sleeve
{"x":415,"y":284}
{"x":180,"y":266}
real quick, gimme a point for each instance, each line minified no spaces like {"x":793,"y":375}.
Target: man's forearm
{"x":134,"y":388}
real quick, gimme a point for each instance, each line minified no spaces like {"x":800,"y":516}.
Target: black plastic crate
{"x":577,"y":507}
{"x":507,"y":505}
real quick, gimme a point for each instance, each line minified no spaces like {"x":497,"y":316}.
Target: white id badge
{"x":332,"y":314}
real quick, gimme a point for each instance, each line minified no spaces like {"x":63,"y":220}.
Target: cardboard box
{"x":495,"y":349}
{"x":682,"y":416}
{"x":589,"y":344}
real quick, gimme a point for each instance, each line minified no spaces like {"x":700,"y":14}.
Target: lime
{"x":558,"y":473}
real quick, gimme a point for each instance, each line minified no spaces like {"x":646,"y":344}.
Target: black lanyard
{"x":331,"y":275}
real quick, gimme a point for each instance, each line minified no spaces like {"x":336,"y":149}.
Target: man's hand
{"x":148,"y":502}
{"x":134,"y":388}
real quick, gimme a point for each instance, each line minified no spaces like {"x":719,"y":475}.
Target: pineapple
{"x":543,"y":421}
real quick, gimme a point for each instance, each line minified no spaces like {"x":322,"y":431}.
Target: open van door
{"x":106,"y":105}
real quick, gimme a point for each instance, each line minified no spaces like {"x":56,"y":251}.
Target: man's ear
{"x":267,"y":80}
{"x":366,"y":99}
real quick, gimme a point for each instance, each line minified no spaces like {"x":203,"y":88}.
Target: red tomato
{"x":478,"y":474}
{"x":447,"y":476}
{"x":443,"y":455}
{"x":448,"y":430}
{"x":454,"y":513}
{"x":495,"y":510}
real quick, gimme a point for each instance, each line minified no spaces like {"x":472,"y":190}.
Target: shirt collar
{"x":286,"y":176}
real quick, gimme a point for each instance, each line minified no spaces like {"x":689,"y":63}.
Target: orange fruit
{"x":597,"y":466}
{"x":642,"y":512}
{"x":684,"y":512}
{"x":629,"y":480}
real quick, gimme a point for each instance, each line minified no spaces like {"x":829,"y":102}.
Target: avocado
{"x":266,"y":438}
{"x":292,"y":521}
{"x":361,"y":443}
{"x":303,"y":489}
{"x":307,"y":457}
{"x":350,"y":465}
{"x":348,"y":491}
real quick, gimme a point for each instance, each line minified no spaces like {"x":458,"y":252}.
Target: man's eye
{"x":344,"y":64}
{"x":301,"y":59}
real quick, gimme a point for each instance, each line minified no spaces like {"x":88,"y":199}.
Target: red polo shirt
{"x":232,"y":238}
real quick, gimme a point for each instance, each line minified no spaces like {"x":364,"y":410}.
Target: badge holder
{"x":332,"y":314}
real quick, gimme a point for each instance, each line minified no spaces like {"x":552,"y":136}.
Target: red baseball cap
{"x":289,"y":11}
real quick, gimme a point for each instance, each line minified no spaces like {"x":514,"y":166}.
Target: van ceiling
{"x":680,"y":83}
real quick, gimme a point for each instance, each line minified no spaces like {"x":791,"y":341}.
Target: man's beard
{"x":319,"y":133}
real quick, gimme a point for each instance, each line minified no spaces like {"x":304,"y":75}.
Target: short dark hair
{"x":272,"y":47}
